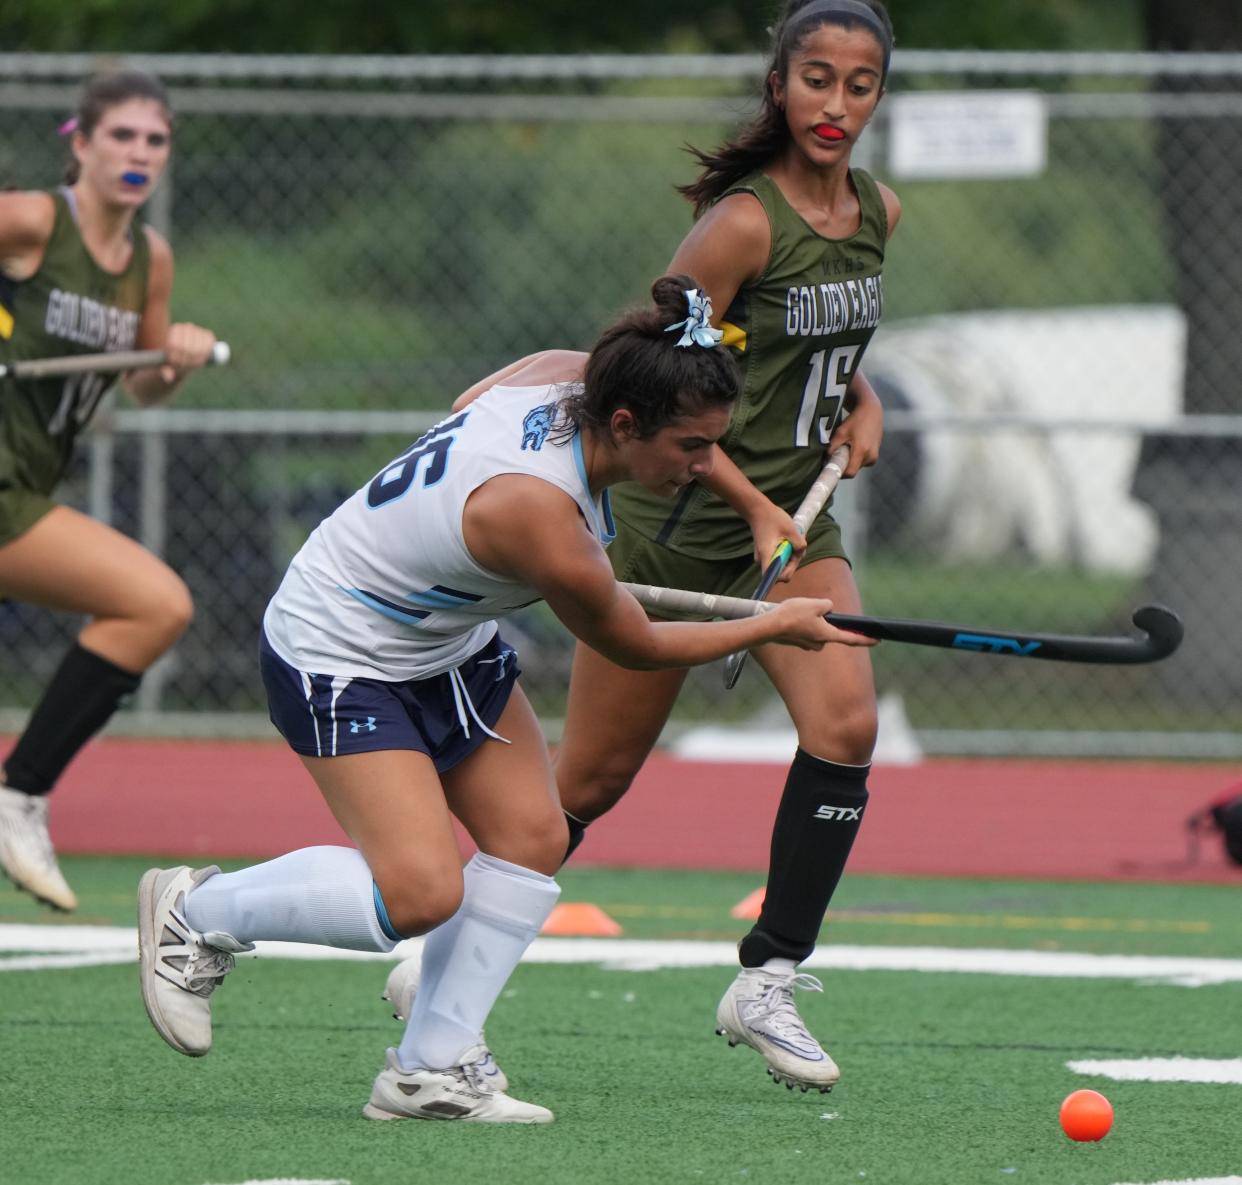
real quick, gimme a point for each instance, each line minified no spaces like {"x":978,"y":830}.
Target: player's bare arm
{"x":26,"y":221}
{"x":862,"y":429}
{"x":528,"y":529}
{"x":727,"y":248}
{"x":768,"y":523}
{"x":535,"y":370}
{"x":892,"y":207}
{"x":188,"y":346}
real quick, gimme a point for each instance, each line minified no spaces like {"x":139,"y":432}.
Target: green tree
{"x":536,"y":26}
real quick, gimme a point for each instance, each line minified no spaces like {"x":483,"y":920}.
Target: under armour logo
{"x":839,"y":812}
{"x":356,"y":726}
{"x":500,"y":660}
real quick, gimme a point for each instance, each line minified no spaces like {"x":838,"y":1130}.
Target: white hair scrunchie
{"x":697,"y":326}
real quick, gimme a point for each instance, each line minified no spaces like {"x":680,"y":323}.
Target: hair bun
{"x":669,"y":295}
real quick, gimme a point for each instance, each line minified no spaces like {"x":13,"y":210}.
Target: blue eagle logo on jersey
{"x":536,"y":426}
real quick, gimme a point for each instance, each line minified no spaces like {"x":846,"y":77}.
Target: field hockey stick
{"x":816,"y":499}
{"x":45,"y":368}
{"x":1161,"y":629}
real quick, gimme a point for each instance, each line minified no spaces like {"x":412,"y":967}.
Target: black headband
{"x":855,"y":10}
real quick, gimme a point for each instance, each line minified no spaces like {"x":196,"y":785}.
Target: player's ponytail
{"x":659,"y":362}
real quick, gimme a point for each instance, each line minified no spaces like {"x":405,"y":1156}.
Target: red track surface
{"x":984,"y":818}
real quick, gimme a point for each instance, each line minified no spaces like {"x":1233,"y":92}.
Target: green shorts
{"x":638,"y":560}
{"x":20,"y":509}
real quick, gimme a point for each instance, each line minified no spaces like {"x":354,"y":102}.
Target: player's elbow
{"x":141,"y":390}
{"x":638,"y":663}
{"x":634,"y":654}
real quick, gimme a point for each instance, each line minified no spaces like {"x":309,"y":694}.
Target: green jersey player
{"x":789,"y":244}
{"x":78,"y":275}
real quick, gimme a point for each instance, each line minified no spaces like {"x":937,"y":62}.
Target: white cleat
{"x":26,"y":852}
{"x":400,"y":991}
{"x":462,"y":1092}
{"x":179,"y":968}
{"x":401,"y":987}
{"x":758,"y":1010}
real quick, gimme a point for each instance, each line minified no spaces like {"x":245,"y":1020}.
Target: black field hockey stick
{"x":1161,"y":630}
{"x":816,"y":499}
{"x":46,"y":368}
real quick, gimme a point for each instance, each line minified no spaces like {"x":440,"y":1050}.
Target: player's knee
{"x":178,"y":610}
{"x":847,"y":734}
{"x":592,"y":793}
{"x":416,"y":905}
{"x":538,"y":843}
{"x":167,"y":610}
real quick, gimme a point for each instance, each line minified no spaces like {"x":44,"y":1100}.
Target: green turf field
{"x":948,"y":1078}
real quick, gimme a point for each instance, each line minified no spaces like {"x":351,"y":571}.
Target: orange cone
{"x":580,"y":919}
{"x":749,"y":906}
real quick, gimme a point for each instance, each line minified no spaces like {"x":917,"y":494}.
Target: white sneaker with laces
{"x":26,"y":852}
{"x":179,"y":968}
{"x":400,"y":991}
{"x":758,"y":1010}
{"x":462,"y":1092}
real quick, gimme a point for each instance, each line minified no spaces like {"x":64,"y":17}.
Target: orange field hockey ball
{"x":1086,"y":1115}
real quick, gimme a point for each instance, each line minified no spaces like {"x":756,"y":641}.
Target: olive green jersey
{"x":799,"y":331}
{"x":71,"y":305}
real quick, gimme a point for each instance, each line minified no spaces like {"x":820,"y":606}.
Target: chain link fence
{"x":1058,"y":354}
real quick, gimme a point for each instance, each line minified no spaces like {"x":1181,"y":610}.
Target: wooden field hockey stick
{"x":46,"y":368}
{"x":1161,"y":629}
{"x":816,"y":499}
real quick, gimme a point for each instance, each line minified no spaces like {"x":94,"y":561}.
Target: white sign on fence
{"x":968,"y":134}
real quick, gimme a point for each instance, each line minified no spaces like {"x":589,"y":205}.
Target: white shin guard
{"x":468,"y":960}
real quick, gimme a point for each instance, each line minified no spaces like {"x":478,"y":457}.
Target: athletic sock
{"x":820,"y":813}
{"x":577,"y":833}
{"x":468,"y":960}
{"x":324,"y":895}
{"x":84,"y":692}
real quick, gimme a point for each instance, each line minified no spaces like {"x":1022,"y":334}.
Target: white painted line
{"x":297,"y":1181}
{"x":51,"y":938}
{"x":1199,"y":1181}
{"x":35,"y":947}
{"x":1164,"y":1069}
{"x":65,"y":961}
{"x":1182,"y":972}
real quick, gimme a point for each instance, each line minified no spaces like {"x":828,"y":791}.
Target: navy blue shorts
{"x":333,"y":715}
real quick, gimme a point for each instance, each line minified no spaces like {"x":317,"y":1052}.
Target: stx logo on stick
{"x":839,"y":813}
{"x":995,"y":645}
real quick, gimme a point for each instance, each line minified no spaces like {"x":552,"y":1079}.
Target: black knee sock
{"x":84,"y":692}
{"x":577,"y":832}
{"x":820,"y":812}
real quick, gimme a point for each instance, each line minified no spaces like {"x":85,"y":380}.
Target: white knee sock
{"x":323,"y":895}
{"x":468,"y":960}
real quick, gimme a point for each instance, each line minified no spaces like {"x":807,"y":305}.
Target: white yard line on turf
{"x":297,"y":1181}
{"x":1164,"y":1069}
{"x":1200,"y":1181}
{"x":35,"y":947}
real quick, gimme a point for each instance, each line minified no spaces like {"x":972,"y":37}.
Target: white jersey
{"x":385,"y":587}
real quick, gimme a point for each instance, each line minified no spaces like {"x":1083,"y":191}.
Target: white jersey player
{"x":386,"y":674}
{"x":385,"y":587}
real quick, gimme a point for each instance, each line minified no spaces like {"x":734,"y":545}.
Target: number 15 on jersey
{"x":825,"y":388}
